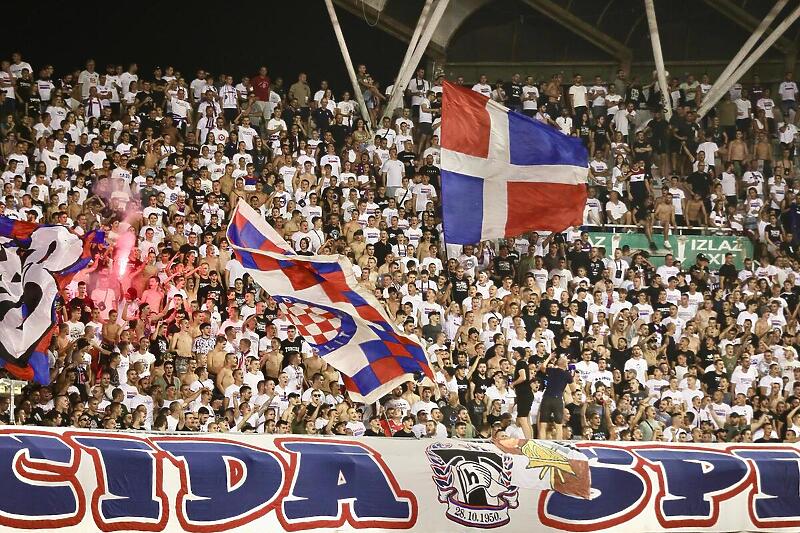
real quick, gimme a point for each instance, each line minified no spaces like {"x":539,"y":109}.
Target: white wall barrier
{"x":75,"y":481}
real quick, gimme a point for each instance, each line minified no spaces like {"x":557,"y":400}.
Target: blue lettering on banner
{"x":620,"y":490}
{"x":693,"y":484}
{"x":28,"y":460}
{"x":327,"y":483}
{"x":129,"y":491}
{"x":342,"y":482}
{"x":211,"y":494}
{"x":775,"y":498}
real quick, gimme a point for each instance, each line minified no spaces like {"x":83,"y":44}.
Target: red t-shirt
{"x":261,"y":87}
{"x":390,"y":426}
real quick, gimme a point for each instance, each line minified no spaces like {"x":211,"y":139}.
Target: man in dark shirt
{"x":431,"y":170}
{"x":514,"y":93}
{"x":727,"y":272}
{"x":374,"y":429}
{"x":82,"y":302}
{"x":502,"y":266}
{"x":408,"y":158}
{"x":405,"y":431}
{"x":712,"y":378}
{"x":524,"y":393}
{"x":552,"y":406}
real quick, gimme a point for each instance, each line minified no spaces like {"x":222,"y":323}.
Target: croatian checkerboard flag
{"x":504,"y":173}
{"x":320,"y":295}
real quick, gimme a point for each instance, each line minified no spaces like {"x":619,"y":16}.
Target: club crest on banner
{"x":323,"y":327}
{"x":474,"y":482}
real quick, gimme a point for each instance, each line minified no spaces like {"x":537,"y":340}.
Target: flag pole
{"x":739,"y":57}
{"x":337,"y":29}
{"x":397,"y":91}
{"x":655,"y":40}
{"x":402,"y":81}
{"x":724,"y":86}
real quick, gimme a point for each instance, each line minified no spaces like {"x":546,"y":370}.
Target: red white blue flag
{"x":504,"y":173}
{"x":321,"y":296}
{"x":36,"y":263}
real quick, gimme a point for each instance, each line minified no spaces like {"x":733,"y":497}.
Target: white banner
{"x":69,"y":481}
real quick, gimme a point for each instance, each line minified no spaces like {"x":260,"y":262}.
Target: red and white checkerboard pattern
{"x":317,"y":325}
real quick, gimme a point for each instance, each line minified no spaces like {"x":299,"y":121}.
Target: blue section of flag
{"x":354,"y":298}
{"x":462,"y":207}
{"x":246,"y":237}
{"x":534,"y":143}
{"x":326,"y":268}
{"x":365,"y":379}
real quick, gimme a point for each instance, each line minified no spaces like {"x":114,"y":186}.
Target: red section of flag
{"x":467,"y":126}
{"x":544,"y":206}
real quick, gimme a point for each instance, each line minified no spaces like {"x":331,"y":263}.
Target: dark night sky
{"x":286,"y":36}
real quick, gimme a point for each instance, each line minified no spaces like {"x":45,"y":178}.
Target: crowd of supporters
{"x":541,"y":335}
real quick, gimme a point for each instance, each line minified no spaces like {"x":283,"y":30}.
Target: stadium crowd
{"x":541,"y":335}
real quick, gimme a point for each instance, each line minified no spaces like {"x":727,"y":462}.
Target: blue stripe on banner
{"x":41,"y":367}
{"x":326,"y":268}
{"x":375,"y":350}
{"x":247,"y":260}
{"x":462,"y":207}
{"x":533,"y":143}
{"x":6,"y":227}
{"x":247,"y":236}
{"x":366,"y":380}
{"x":409,"y":365}
{"x":354,"y":298}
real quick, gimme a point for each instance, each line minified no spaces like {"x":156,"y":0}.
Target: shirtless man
{"x":190,"y":376}
{"x":696,"y":214}
{"x":111,"y":330}
{"x":763,"y":152}
{"x":738,"y":153}
{"x":315,"y":365}
{"x":153,"y":295}
{"x":217,"y":355}
{"x":665,"y":215}
{"x":271,"y":360}
{"x":182,"y":341}
{"x":225,"y":376}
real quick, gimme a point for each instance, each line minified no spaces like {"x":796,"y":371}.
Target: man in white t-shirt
{"x":577,"y":97}
{"x":88,"y":78}
{"x":530,"y":97}
{"x":482,"y":87}
{"x":788,"y":91}
{"x":392,"y":171}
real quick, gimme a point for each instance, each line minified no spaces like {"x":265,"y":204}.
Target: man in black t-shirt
{"x":292,"y":344}
{"x":405,"y":431}
{"x":514,"y":93}
{"x":524,"y":393}
{"x":460,"y":286}
{"x":551,"y":409}
{"x":502,"y":266}
{"x":727,"y":272}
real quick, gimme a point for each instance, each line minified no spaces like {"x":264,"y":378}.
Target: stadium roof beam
{"x":372,"y":9}
{"x":585,"y":30}
{"x":743,"y":18}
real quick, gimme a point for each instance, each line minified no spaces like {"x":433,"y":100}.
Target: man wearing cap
{"x":699,"y":272}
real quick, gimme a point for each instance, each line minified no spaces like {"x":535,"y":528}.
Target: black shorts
{"x":524,"y":404}
{"x":551,"y":410}
{"x":425,"y":128}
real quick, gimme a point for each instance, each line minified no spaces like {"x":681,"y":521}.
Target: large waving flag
{"x":36,"y":263}
{"x":504,"y":173}
{"x":321,"y":297}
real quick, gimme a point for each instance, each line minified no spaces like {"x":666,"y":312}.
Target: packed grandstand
{"x":172,"y":334}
